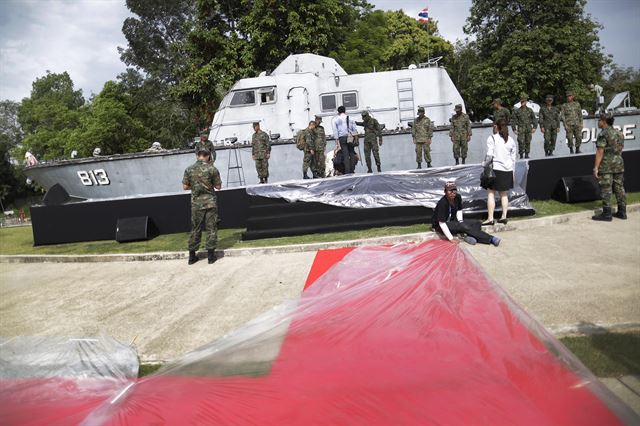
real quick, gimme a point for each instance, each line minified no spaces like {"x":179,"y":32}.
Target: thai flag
{"x":424,"y":15}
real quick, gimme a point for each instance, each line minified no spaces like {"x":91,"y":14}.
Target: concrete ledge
{"x":296,"y":248}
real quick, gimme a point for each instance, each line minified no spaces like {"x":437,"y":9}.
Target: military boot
{"x":457,"y":161}
{"x":464,"y":160}
{"x":604,"y":216}
{"x":369,"y":170}
{"x":305,"y":176}
{"x":578,"y":150}
{"x":428,"y":165}
{"x":193,"y":258}
{"x":266,"y":180}
{"x":570,"y":150}
{"x":261,"y":180}
{"x":621,"y":213}
{"x":419,"y":165}
{"x":526,"y":155}
{"x":211,"y":256}
{"x":379,"y":168}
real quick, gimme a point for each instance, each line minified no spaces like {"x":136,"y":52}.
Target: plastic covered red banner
{"x":409,"y":334}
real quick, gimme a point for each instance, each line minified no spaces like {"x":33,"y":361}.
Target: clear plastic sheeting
{"x":410,"y":334}
{"x":395,"y":189}
{"x":56,"y":380}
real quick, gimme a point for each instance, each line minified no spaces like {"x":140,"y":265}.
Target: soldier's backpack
{"x":300,"y":143}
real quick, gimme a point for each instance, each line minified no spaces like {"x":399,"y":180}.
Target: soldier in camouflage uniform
{"x":500,"y":112}
{"x":422,"y":132}
{"x":261,"y":151}
{"x":309,"y":150}
{"x":460,"y":134}
{"x":202,"y":178}
{"x":549,"y":118}
{"x":372,"y":137}
{"x":524,"y":123}
{"x":320,"y":147}
{"x":609,"y":168}
{"x":204,"y":142}
{"x":571,"y":116}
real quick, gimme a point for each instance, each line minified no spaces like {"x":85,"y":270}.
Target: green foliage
{"x":536,"y":47}
{"x":50,"y":115}
{"x":622,"y":80}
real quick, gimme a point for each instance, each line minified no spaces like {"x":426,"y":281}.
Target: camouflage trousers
{"x":423,"y":147}
{"x":550,"y":136}
{"x":524,"y":142}
{"x":574,"y":131}
{"x":460,"y":147}
{"x":369,"y":147}
{"x":320,"y":160}
{"x":208,"y":218}
{"x":612,"y":183}
{"x":262,"y":167}
{"x":308,"y":161}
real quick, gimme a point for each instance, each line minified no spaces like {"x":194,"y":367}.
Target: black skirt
{"x":503,"y":182}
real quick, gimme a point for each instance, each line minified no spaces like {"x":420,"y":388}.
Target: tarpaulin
{"x":409,"y":334}
{"x":394,"y":189}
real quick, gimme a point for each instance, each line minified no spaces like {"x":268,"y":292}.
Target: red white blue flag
{"x":423,"y":16}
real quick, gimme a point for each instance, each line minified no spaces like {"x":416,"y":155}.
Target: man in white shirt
{"x":342,"y":127}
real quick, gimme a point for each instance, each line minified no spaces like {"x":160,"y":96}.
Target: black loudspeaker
{"x":135,"y":229}
{"x":575,"y":189}
{"x":55,"y":196}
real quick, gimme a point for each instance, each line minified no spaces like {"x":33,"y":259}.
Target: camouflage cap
{"x":549,"y":98}
{"x":365,"y":113}
{"x":203,"y":150}
{"x":451,"y":185}
{"x":458,"y":107}
{"x":318,"y":117}
{"x":497,"y":101}
{"x":204,"y":133}
{"x":420,"y":109}
{"x":256,"y":123}
{"x":606,"y":115}
{"x":569,"y":93}
{"x":524,"y":98}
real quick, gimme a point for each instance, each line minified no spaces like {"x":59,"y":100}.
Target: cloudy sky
{"x":82,"y":36}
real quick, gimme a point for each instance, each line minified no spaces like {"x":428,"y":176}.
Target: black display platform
{"x":97,"y":219}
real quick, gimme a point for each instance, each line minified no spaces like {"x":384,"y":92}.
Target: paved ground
{"x":167,"y":307}
{"x":571,"y":276}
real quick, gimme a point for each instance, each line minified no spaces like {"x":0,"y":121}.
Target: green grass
{"x":607,"y":354}
{"x":146,"y":369}
{"x":19,"y":240}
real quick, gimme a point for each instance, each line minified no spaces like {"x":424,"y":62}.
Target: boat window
{"x":328,"y":102}
{"x":350,"y":100}
{"x":267,"y":95}
{"x":243,"y":97}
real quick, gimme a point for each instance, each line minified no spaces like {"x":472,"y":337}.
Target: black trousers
{"x":472,"y":228}
{"x":349,"y":154}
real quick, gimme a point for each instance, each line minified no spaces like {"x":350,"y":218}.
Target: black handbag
{"x":488,"y":176}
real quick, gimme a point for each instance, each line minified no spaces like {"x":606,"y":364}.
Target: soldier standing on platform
{"x":372,"y":137}
{"x":204,"y":142}
{"x":460,"y":134}
{"x":202,"y":178}
{"x":261,"y":151}
{"x":524,"y":123}
{"x":500,"y":112}
{"x":309,"y":150}
{"x":549,"y":118}
{"x":609,"y":168}
{"x":422,"y":132}
{"x":571,"y":116}
{"x":320,"y":147}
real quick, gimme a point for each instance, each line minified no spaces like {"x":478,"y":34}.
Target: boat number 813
{"x":94,"y":177}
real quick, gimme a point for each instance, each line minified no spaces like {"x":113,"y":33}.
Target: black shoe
{"x":578,"y":151}
{"x":379,"y":169}
{"x":369,"y":170}
{"x":521,"y":155}
{"x":488,"y":223}
{"x":428,"y":165}
{"x":570,"y":150}
{"x":526,"y":155}
{"x":464,"y":160}
{"x":266,"y":180}
{"x":503,"y":221}
{"x":457,"y":161}
{"x":193,"y":258}
{"x":304,"y":176}
{"x":261,"y":180}
{"x":419,"y":165}
{"x":605,"y":216}
{"x":621,"y":213}
{"x":211,"y":256}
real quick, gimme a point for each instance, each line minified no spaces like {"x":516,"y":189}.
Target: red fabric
{"x":412,"y":334}
{"x":324,"y":260}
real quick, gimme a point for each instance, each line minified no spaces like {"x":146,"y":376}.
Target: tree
{"x":536,"y":47}
{"x":622,"y":80}
{"x":49,"y":115}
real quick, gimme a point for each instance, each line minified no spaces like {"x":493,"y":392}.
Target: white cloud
{"x":78,"y":37}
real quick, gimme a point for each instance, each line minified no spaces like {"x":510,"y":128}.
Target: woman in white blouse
{"x":501,"y":150}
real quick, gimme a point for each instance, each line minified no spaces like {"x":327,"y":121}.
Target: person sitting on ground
{"x":448,"y":219}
